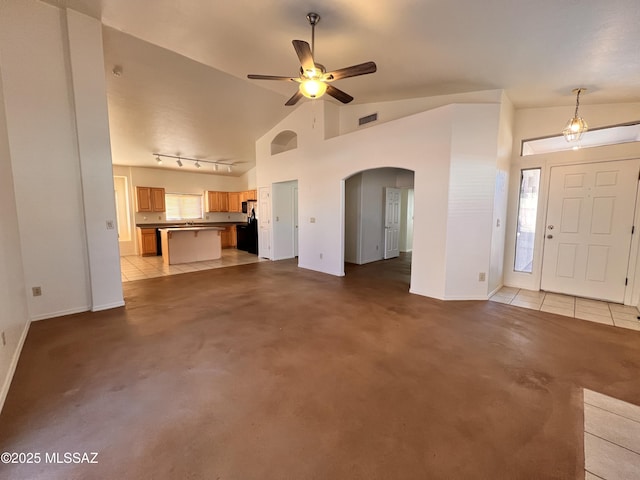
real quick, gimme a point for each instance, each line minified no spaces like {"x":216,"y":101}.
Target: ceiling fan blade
{"x":339,"y":94}
{"x":304,"y":54}
{"x":293,"y":100}
{"x":353,"y":71}
{"x":271,"y":77}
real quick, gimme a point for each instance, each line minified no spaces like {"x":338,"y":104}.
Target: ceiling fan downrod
{"x":313,"y":18}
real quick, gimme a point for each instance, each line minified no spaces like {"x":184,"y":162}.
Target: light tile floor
{"x":592,"y":310}
{"x":135,"y":267}
{"x":611,"y":438}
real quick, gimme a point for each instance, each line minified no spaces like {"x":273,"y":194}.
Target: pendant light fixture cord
{"x":577,"y":102}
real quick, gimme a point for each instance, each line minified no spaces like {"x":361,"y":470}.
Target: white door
{"x":264,"y":222}
{"x":392,"y":223}
{"x":588,"y":229}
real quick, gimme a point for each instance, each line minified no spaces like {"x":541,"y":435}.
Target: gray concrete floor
{"x":268,"y":371}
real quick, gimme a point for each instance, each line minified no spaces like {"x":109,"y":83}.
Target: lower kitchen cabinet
{"x":228,"y":237}
{"x":147,"y":241}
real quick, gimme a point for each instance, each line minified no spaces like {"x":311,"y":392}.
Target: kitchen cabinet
{"x":252,"y":195}
{"x":235,"y":204}
{"x":150,"y":199}
{"x":228,"y":237}
{"x":147,"y":245}
{"x":217,"y":201}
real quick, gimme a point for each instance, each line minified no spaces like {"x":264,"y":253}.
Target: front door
{"x":588,"y":230}
{"x":392,"y":223}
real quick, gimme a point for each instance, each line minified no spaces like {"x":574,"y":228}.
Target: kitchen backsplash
{"x":212,"y":217}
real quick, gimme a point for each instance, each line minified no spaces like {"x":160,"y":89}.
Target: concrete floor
{"x":268,"y":371}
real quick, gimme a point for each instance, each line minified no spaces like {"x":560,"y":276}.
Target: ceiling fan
{"x":314,"y":80}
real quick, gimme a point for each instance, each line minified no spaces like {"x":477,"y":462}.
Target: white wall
{"x":540,"y":122}
{"x":406,"y":221}
{"x":352,"y":223}
{"x":393,"y":110}
{"x":55,"y":106}
{"x":14,"y":317}
{"x":92,"y":133}
{"x":470,"y":206}
{"x":435,"y":144}
{"x":44,"y":157}
{"x":501,"y":195}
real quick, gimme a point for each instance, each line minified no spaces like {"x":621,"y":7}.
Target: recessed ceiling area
{"x":183,"y":88}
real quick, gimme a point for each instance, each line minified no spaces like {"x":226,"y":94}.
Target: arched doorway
{"x":370,"y":220}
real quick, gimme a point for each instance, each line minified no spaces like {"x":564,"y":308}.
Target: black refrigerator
{"x":247,"y":236}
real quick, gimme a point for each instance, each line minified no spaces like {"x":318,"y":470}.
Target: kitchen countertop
{"x":190,"y":228}
{"x":183,"y":225}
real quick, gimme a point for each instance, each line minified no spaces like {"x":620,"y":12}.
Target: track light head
{"x":179,"y":162}
{"x":197,"y":164}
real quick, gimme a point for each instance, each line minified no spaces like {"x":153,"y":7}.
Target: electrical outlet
{"x":320,"y":256}
{"x":482,"y":276}
{"x":110,"y":225}
{"x":312,"y":220}
{"x":377,"y":247}
{"x":207,"y":217}
{"x":37,"y":291}
{"x":4,"y":339}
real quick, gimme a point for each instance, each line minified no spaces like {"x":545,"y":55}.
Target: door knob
{"x":549,"y":236}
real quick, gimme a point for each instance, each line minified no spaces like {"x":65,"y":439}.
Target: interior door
{"x":588,"y":230}
{"x":392,"y":222}
{"x":264,"y":222}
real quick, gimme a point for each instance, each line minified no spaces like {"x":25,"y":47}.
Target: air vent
{"x":368,"y":119}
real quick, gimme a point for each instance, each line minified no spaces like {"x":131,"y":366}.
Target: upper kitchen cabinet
{"x":150,"y":199}
{"x":217,"y":201}
{"x":252,"y":195}
{"x":235,"y":203}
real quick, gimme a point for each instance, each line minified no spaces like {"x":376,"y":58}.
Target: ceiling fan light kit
{"x":313,"y":80}
{"x":577,"y":125}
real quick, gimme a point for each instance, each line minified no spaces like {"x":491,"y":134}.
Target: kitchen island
{"x":190,"y":244}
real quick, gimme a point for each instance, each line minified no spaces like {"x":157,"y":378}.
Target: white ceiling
{"x":183,"y":90}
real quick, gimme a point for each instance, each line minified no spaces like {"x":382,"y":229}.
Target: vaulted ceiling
{"x":183,"y":88}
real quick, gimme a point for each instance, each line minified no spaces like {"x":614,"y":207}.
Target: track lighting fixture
{"x":197,"y":163}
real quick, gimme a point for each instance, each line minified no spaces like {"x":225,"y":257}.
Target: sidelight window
{"x":527,"y":215}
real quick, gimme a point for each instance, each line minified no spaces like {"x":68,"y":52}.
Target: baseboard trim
{"x":61,"y":313}
{"x":108,"y":306}
{"x":12,"y":366}
{"x":496,"y":290}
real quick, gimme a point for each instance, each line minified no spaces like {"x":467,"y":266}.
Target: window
{"x":183,"y":206}
{"x":595,"y":137}
{"x":527,"y":214}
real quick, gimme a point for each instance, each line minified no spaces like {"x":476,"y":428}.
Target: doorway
{"x":378,"y":215}
{"x":588,"y":230}
{"x":284,"y":215}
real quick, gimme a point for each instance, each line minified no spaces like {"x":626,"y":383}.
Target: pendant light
{"x":576,"y":126}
